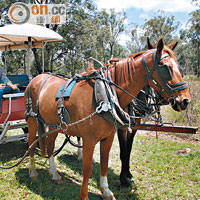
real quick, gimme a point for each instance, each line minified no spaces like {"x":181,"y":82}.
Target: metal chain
{"x":77,"y":122}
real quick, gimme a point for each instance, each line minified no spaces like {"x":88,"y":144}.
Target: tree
{"x":116,"y":23}
{"x":191,"y":37}
{"x":88,"y":33}
{"x":136,"y":43}
{"x":15,"y":60}
{"x":159,"y":26}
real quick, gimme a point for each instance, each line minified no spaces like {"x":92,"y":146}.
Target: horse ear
{"x":150,"y":44}
{"x":172,"y":45}
{"x":160,"y":46}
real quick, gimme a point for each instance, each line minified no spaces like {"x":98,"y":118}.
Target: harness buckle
{"x":103,"y":106}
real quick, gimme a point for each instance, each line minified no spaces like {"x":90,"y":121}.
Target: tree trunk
{"x":38,"y":63}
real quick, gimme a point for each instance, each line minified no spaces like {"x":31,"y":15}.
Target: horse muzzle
{"x":179,"y":105}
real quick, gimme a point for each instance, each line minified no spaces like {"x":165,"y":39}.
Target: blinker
{"x":164,"y":72}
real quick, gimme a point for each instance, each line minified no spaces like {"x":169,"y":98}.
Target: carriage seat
{"x":22,"y":80}
{"x":15,"y":110}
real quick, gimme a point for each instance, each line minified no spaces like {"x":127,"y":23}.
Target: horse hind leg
{"x":32,"y":129}
{"x":50,"y":142}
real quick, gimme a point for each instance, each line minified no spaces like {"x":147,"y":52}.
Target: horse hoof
{"x":109,"y":197}
{"x":33,"y":175}
{"x":128,"y":186}
{"x":125,"y":188}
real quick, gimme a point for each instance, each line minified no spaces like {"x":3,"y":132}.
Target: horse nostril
{"x":172,"y":101}
{"x":186,"y":102}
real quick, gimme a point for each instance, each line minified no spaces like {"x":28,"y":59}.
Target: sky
{"x":139,"y":10}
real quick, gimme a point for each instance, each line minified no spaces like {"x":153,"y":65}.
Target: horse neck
{"x":129,"y":74}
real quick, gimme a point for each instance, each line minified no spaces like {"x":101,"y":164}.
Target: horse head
{"x":165,"y":75}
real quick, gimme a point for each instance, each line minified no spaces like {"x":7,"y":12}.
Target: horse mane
{"x":123,"y":71}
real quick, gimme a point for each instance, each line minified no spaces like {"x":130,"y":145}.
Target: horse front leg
{"x":125,"y":143}
{"x":122,"y":138}
{"x":130,"y":138}
{"x":88,"y":150}
{"x":105,"y":146}
{"x":50,"y":142}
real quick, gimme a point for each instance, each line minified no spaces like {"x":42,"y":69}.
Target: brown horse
{"x":126,"y":138}
{"x":130,"y":75}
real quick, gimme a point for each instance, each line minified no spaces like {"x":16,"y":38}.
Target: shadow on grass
{"x":70,"y":189}
{"x":12,"y":150}
{"x":44,"y":187}
{"x":71,"y":161}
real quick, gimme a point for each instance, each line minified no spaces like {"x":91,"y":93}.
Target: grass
{"x":159,"y":173}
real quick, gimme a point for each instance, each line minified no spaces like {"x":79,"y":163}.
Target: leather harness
{"x":105,"y":97}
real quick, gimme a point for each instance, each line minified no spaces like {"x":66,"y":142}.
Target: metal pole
{"x":43,"y":45}
{"x":42,"y":57}
{"x":29,"y":74}
{"x":29,"y":51}
{"x":5,"y":64}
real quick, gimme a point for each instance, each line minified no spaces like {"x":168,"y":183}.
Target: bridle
{"x":163,"y":74}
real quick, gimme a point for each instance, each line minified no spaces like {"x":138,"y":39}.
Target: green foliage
{"x":162,"y":173}
{"x":191,"y":37}
{"x":160,"y":26}
{"x":93,"y":33}
{"x":88,"y":33}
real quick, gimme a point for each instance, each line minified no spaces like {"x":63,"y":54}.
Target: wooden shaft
{"x":166,"y":128}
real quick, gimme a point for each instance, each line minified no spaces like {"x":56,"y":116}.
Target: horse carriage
{"x":120,"y":83}
{"x":25,"y":36}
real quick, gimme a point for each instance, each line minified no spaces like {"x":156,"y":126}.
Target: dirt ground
{"x":186,"y":138}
